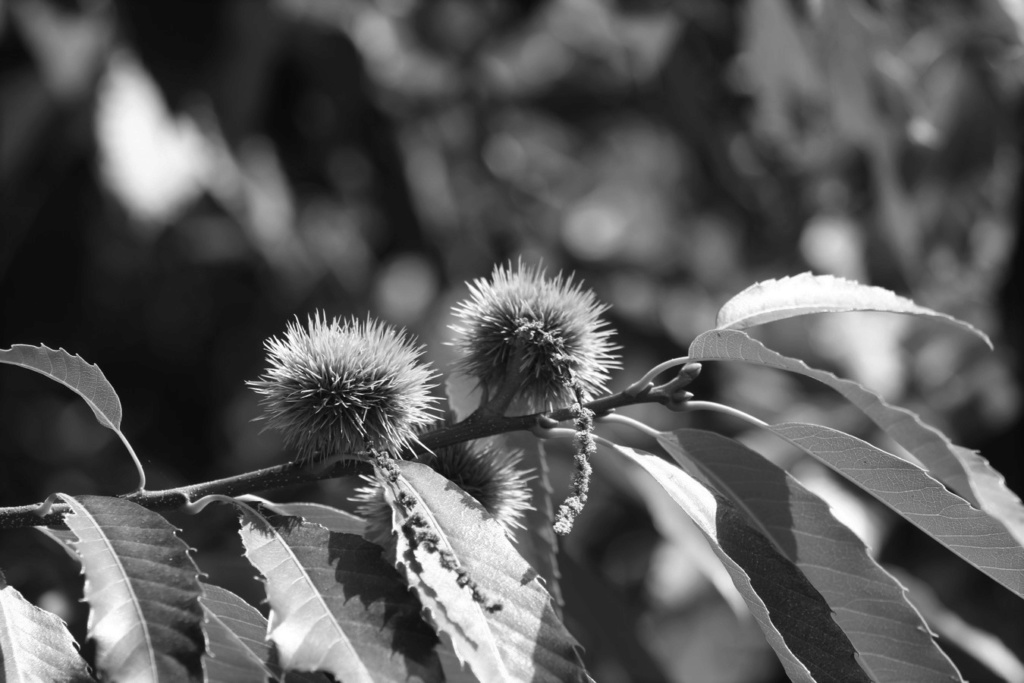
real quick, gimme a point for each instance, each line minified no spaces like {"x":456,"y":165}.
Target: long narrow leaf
{"x":336,"y":605}
{"x":965,"y":472}
{"x":501,"y":622}
{"x":807,"y":293}
{"x":917,"y":497}
{"x":34,"y":644}
{"x":236,"y":636}
{"x":795,"y":618}
{"x":870,"y":605}
{"x":143,"y":590}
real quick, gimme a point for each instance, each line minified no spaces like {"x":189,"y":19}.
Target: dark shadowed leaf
{"x":869,"y":604}
{"x":34,"y":644}
{"x":336,"y":605}
{"x":143,"y":590}
{"x":965,"y":472}
{"x":918,"y":498}
{"x":507,"y":630}
{"x":795,"y":618}
{"x":236,"y":636}
{"x":806,"y":293}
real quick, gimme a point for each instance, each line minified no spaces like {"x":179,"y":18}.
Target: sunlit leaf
{"x":965,"y":472}
{"x":870,"y":605}
{"x":83,"y":378}
{"x":795,"y":618}
{"x":336,"y":605}
{"x":34,"y":644}
{"x":917,"y":497}
{"x":143,"y":590}
{"x":502,"y":623}
{"x":788,"y":297}
{"x":236,"y":636}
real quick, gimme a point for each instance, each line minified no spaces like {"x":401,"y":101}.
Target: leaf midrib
{"x":425,"y":509}
{"x":325,"y":608}
{"x":238,"y":640}
{"x":131,"y":590}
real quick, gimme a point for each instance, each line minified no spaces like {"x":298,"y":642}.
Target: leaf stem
{"x":135,"y":459}
{"x":634,"y":423}
{"x":726,"y":410}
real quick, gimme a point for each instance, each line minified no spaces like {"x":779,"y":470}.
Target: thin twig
{"x":476,"y":426}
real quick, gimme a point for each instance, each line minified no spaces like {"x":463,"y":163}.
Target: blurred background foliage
{"x":178,"y":178}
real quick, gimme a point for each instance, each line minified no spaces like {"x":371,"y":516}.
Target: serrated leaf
{"x":236,"y":637}
{"x":964,"y":471}
{"x":336,"y":605}
{"x":83,"y":378}
{"x":795,"y":618}
{"x":35,"y":645}
{"x":806,"y":293}
{"x":870,"y":605}
{"x":142,"y":588}
{"x":917,"y":497}
{"x":443,"y":530}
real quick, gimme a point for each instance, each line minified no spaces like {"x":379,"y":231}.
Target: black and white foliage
{"x":429,"y":583}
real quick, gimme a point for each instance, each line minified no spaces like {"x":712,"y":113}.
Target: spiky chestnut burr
{"x":491,"y":475}
{"x":334,"y":387}
{"x":529,"y":339}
